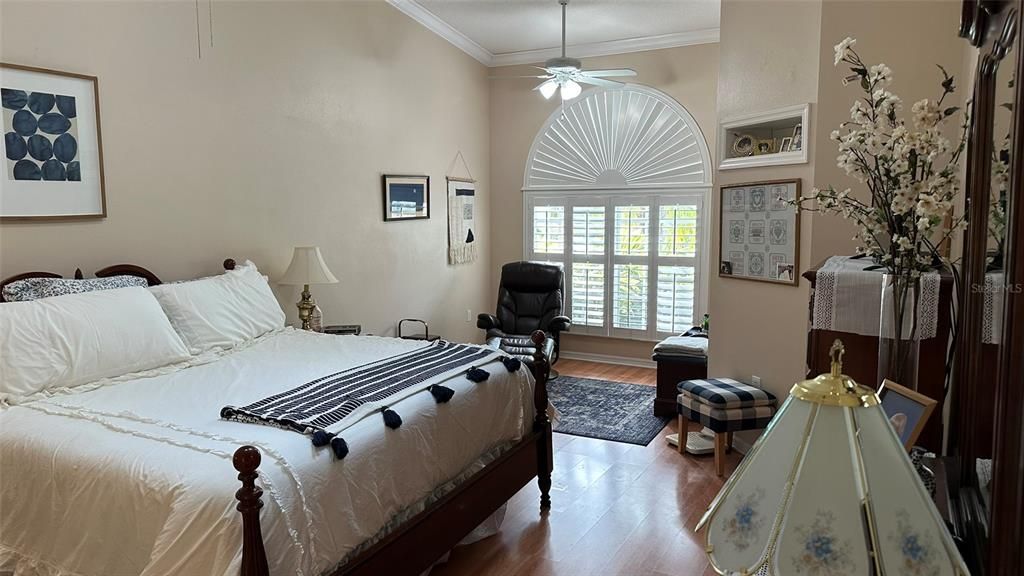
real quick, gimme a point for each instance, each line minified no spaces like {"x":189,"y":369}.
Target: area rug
{"x":607,"y":410}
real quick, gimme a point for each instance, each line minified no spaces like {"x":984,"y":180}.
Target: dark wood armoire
{"x":987,"y":391}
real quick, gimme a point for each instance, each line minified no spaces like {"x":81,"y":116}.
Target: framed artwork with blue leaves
{"x":53,"y":158}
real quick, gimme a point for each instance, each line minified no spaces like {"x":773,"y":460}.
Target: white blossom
{"x":843,"y":49}
{"x":926,"y":113}
{"x":879,"y":74}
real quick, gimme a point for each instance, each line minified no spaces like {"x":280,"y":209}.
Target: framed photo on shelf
{"x":406,"y":197}
{"x":759,"y":234}
{"x":908,"y":410}
{"x":53,"y":156}
{"x":765,"y":146}
{"x":798,"y":137}
{"x":787,"y":144}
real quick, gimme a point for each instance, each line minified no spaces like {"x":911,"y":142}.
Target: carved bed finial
{"x":229,"y":264}
{"x":254,"y":557}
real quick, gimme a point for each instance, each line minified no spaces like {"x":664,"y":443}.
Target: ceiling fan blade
{"x":513,"y":77}
{"x":597,"y":81}
{"x":606,"y":73}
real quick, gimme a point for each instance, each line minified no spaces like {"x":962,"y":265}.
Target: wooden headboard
{"x":115,"y":270}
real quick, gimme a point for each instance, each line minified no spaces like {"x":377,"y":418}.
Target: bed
{"x":133,"y":475}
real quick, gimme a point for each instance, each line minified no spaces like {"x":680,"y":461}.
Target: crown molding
{"x":414,"y":10}
{"x":674,"y":40}
{"x":417,"y":12}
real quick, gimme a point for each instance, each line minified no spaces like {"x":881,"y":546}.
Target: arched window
{"x":616,"y":190}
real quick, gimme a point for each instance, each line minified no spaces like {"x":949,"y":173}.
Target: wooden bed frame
{"x":418,"y":543}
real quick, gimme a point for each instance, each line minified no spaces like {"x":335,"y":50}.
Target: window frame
{"x":609,"y":198}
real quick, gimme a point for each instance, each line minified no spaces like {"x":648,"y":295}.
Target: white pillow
{"x":70,"y":340}
{"x":221,"y":311}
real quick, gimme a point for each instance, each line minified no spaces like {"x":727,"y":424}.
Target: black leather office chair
{"x":529,"y":299}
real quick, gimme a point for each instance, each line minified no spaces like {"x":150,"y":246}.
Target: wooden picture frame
{"x":914,"y":408}
{"x":405,"y":197}
{"x":773,"y":232}
{"x":38,"y":181}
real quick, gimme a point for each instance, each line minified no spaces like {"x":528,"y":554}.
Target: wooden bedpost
{"x":545,"y":454}
{"x":254,"y":556}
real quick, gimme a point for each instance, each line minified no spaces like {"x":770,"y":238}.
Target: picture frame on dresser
{"x":53,"y":153}
{"x":759,"y":231}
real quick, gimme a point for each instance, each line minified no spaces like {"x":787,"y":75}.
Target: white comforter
{"x":135,"y":476}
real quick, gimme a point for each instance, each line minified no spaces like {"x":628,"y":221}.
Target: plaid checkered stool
{"x":725,"y":406}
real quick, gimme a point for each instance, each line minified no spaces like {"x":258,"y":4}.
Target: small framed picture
{"x":908,"y":411}
{"x":787,"y":144}
{"x":406,"y":197}
{"x":798,"y":137}
{"x":765,"y":146}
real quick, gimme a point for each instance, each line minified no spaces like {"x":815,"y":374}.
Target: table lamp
{"x":828,"y":489}
{"x":307,"y":268}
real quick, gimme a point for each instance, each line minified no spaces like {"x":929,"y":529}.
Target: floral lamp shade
{"x":828,"y":489}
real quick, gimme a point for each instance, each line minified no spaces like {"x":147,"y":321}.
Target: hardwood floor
{"x":617,"y":509}
{"x":613,"y":372}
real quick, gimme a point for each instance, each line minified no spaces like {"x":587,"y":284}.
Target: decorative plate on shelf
{"x":743,"y":145}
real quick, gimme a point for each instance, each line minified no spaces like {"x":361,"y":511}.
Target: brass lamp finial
{"x":836,"y":352}
{"x":835,"y":388}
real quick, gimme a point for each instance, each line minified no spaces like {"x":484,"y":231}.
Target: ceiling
{"x":503,"y":32}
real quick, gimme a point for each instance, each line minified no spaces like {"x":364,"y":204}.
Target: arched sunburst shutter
{"x":627,"y":137}
{"x":616,"y":186}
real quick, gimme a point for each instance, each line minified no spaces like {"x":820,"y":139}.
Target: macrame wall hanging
{"x":461,"y":215}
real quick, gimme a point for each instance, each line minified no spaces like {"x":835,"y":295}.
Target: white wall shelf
{"x":771,"y":126}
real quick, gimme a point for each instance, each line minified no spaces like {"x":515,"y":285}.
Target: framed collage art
{"x":760,"y":232}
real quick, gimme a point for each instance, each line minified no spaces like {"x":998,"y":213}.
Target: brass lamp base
{"x":306,"y":306}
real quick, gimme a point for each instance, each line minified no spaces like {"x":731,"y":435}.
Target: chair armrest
{"x":487,"y":322}
{"x":559,"y":324}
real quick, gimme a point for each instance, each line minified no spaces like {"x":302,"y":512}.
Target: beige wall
{"x":689,"y":74}
{"x":759,"y":328}
{"x":276,"y":137}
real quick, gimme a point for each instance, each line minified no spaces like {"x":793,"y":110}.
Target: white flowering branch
{"x":911,"y":171}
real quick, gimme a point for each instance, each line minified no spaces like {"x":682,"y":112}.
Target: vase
{"x":898,"y":332}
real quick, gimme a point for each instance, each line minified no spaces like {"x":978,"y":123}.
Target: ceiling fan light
{"x":548,"y":88}
{"x":570,"y":90}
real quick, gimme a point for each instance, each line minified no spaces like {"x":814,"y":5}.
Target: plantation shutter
{"x":632,"y":262}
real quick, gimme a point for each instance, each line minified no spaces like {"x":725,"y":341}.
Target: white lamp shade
{"x":307,"y":267}
{"x":570,"y":90}
{"x":828,"y":489}
{"x":548,"y":88}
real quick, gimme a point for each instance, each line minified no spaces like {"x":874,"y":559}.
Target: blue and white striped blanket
{"x":324,"y":407}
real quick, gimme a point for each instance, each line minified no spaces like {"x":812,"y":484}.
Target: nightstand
{"x":342,"y":329}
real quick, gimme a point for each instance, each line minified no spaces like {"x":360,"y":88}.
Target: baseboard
{"x":608,"y":359}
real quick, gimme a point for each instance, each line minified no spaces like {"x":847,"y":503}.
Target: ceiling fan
{"x":565,"y":74}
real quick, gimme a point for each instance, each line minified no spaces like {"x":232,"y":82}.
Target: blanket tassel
{"x":511,"y":363}
{"x":339,"y":446}
{"x":441,"y":393}
{"x":322,"y":438}
{"x":391,"y":418}
{"x":477,"y":375}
